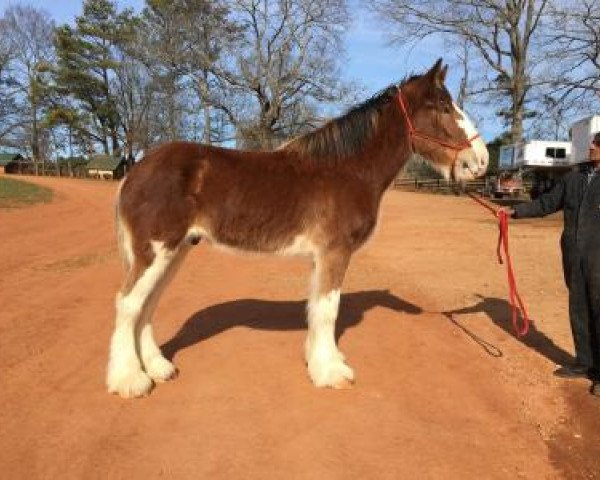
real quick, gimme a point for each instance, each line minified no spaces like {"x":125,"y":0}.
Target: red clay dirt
{"x":438,"y":395}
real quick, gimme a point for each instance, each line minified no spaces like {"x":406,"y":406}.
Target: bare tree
{"x":11,"y":110}
{"x":216,"y":70}
{"x":257,"y":67}
{"x":5,"y":52}
{"x":574,"y":46}
{"x":209,"y":35}
{"x":501,"y":33}
{"x":556,"y":117}
{"x":29,"y":37}
{"x":287,"y":60}
{"x":464,"y":57}
{"x":162,"y":48}
{"x":134,"y":93}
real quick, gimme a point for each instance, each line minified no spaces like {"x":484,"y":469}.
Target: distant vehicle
{"x":507,"y":184}
{"x":546,"y":161}
{"x":536,"y":153}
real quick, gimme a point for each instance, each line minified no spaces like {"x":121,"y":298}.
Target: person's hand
{"x":507,"y":210}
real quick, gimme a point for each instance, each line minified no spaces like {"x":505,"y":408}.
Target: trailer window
{"x":556,"y":153}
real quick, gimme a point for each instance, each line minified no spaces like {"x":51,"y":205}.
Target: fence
{"x":49,"y":171}
{"x":441,"y":185}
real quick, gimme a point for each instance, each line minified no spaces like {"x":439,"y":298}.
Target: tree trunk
{"x":35,"y":153}
{"x":171,"y":100}
{"x":70,"y":160}
{"x":203,"y":94}
{"x":128,"y":153}
{"x":115,"y":141}
{"x":516,"y":128}
{"x":464,"y":81}
{"x":104,"y":138}
{"x":265,"y":137}
{"x":518,"y":106}
{"x":207,"y":125}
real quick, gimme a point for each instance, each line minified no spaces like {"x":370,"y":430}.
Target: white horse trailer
{"x":582,"y":133}
{"x":536,"y":153}
{"x":544,"y":160}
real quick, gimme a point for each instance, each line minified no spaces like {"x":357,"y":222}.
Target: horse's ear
{"x":433,"y":71}
{"x":437,"y":74}
{"x":443,"y":74}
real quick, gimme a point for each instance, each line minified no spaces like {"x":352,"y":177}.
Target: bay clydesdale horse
{"x":317,"y":195}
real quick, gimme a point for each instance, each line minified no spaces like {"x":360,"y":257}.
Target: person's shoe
{"x":595,"y":390}
{"x":573,"y":371}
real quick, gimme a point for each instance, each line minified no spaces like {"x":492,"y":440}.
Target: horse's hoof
{"x":333,"y":373}
{"x":344,"y":384}
{"x":134,"y":385}
{"x":160,"y":369}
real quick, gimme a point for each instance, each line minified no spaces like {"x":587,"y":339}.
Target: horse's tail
{"x":123,"y":235}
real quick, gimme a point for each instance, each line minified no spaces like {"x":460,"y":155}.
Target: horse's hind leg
{"x":124,"y":374}
{"x":326,"y":365}
{"x":155,"y":364}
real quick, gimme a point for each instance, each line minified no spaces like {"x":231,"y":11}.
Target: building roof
{"x":103,"y":162}
{"x":75,"y":161}
{"x":6,"y":158}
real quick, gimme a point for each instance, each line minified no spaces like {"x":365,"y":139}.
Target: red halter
{"x":457,"y":147}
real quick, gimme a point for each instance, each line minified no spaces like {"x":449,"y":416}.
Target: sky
{"x":369,"y":59}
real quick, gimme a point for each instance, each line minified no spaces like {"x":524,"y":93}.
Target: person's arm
{"x":545,"y":204}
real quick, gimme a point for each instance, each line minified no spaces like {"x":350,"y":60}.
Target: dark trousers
{"x":583,"y":281}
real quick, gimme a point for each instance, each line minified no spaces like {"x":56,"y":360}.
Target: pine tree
{"x":87,"y":59}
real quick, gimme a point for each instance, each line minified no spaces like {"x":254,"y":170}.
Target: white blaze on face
{"x":465,"y":122}
{"x":477,"y":145}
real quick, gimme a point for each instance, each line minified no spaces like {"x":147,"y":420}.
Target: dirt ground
{"x":438,"y":395}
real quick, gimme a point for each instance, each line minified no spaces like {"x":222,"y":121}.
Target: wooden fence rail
{"x":440,"y":185}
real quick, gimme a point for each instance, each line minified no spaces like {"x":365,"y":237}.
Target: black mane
{"x":347,"y":134}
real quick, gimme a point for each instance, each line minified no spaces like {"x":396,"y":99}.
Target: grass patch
{"x":16,"y":193}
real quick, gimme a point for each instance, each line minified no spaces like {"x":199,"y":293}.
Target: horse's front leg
{"x":326,"y":365}
{"x":125,"y":374}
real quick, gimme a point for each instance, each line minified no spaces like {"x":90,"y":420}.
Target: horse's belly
{"x":254,"y":240}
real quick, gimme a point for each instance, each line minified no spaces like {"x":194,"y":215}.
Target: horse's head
{"x":440,"y":131}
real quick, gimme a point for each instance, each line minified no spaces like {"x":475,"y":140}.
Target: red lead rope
{"x":502,"y":217}
{"x":514,"y":296}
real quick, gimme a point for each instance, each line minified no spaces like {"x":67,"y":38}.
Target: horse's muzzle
{"x":471,"y":163}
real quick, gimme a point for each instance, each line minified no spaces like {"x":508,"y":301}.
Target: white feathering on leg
{"x":124,"y":373}
{"x":326,"y":365}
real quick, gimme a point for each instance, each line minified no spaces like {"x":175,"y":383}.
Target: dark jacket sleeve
{"x":545,"y":204}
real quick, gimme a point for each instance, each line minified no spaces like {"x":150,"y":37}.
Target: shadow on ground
{"x":277,"y":315}
{"x":574,"y":448}
{"x":499,"y":312}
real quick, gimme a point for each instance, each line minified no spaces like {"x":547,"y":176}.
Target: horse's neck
{"x":382,"y":159}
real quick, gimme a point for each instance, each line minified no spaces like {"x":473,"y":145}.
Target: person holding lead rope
{"x":578,"y":195}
